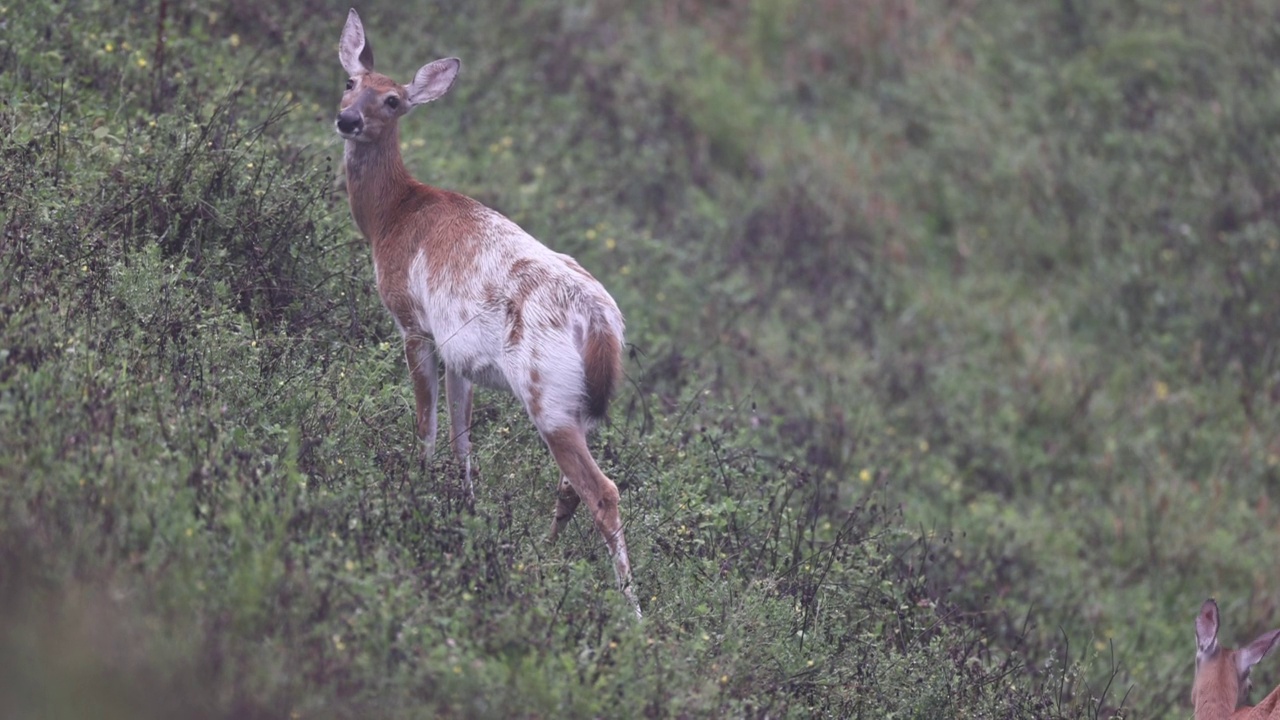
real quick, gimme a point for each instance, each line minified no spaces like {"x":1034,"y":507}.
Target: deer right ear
{"x":354,"y":49}
{"x":1207,"y":629}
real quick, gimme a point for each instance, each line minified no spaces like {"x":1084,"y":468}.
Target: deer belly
{"x":471,"y":347}
{"x":490,"y":376}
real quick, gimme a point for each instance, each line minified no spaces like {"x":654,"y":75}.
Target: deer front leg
{"x":457,"y":391}
{"x":426,"y":386}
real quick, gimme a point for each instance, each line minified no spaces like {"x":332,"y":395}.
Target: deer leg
{"x":589,"y":484}
{"x":566,"y":503}
{"x":426,"y":386}
{"x":457,"y":391}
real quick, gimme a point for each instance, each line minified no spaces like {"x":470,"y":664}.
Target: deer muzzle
{"x":349,"y":123}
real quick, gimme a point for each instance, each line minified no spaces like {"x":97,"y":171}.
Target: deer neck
{"x":1215,"y":709}
{"x":1268,"y":709}
{"x":377,"y":182}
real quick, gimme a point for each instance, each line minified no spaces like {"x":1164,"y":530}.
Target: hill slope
{"x":953,"y":361}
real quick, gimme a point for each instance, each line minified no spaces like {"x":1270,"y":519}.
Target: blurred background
{"x":953,"y":366}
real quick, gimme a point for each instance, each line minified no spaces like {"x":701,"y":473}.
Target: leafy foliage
{"x":953,"y":360}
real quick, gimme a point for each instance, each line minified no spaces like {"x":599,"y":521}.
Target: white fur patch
{"x":473,"y":322}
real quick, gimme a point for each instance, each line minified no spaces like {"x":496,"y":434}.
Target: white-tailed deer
{"x":499,"y":307}
{"x":1222,"y":675}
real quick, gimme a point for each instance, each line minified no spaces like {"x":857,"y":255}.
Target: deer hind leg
{"x":589,"y":484}
{"x":567,"y":501}
{"x":457,"y":390}
{"x":426,"y":386}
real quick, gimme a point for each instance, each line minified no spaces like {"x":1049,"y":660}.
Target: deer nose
{"x":350,"y":123}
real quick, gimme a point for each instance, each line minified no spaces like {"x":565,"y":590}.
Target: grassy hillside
{"x":953,"y":372}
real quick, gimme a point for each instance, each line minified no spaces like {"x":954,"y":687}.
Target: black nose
{"x":349,"y":123}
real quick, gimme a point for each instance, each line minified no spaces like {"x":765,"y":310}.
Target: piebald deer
{"x":1222,"y":675}
{"x":500,"y":308}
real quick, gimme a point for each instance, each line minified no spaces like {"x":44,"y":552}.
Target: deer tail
{"x":602,"y":365}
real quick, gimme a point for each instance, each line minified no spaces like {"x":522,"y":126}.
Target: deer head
{"x":1222,"y":675}
{"x":373,"y":103}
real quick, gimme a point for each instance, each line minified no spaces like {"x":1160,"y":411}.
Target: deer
{"x":1221,"y":685}
{"x":499,"y":308}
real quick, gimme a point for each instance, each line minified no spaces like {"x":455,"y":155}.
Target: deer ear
{"x":433,"y":80}
{"x":1249,"y":655}
{"x":1207,"y":628}
{"x":354,"y":49}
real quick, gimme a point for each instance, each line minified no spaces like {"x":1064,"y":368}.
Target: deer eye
{"x":350,"y":83}
{"x":393,"y":102}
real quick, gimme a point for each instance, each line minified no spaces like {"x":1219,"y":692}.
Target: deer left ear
{"x":433,"y":80}
{"x":354,"y":50}
{"x":1249,"y":655}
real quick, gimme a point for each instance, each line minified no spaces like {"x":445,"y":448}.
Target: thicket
{"x":953,"y":361}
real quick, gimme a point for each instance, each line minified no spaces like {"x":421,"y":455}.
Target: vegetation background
{"x":954,"y":366}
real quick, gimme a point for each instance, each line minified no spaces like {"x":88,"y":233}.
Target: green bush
{"x":952,"y":365}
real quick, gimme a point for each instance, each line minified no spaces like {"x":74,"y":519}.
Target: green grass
{"x":953,"y":377}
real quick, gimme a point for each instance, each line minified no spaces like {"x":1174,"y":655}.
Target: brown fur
{"x":535,"y":394}
{"x":602,"y":362}
{"x":425,"y":414}
{"x":402,"y":217}
{"x":528,"y":279}
{"x":1268,"y":709}
{"x":1222,"y":675}
{"x":569,"y":447}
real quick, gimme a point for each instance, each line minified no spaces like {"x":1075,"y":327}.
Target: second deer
{"x":1222,"y":680}
{"x":500,"y":308}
